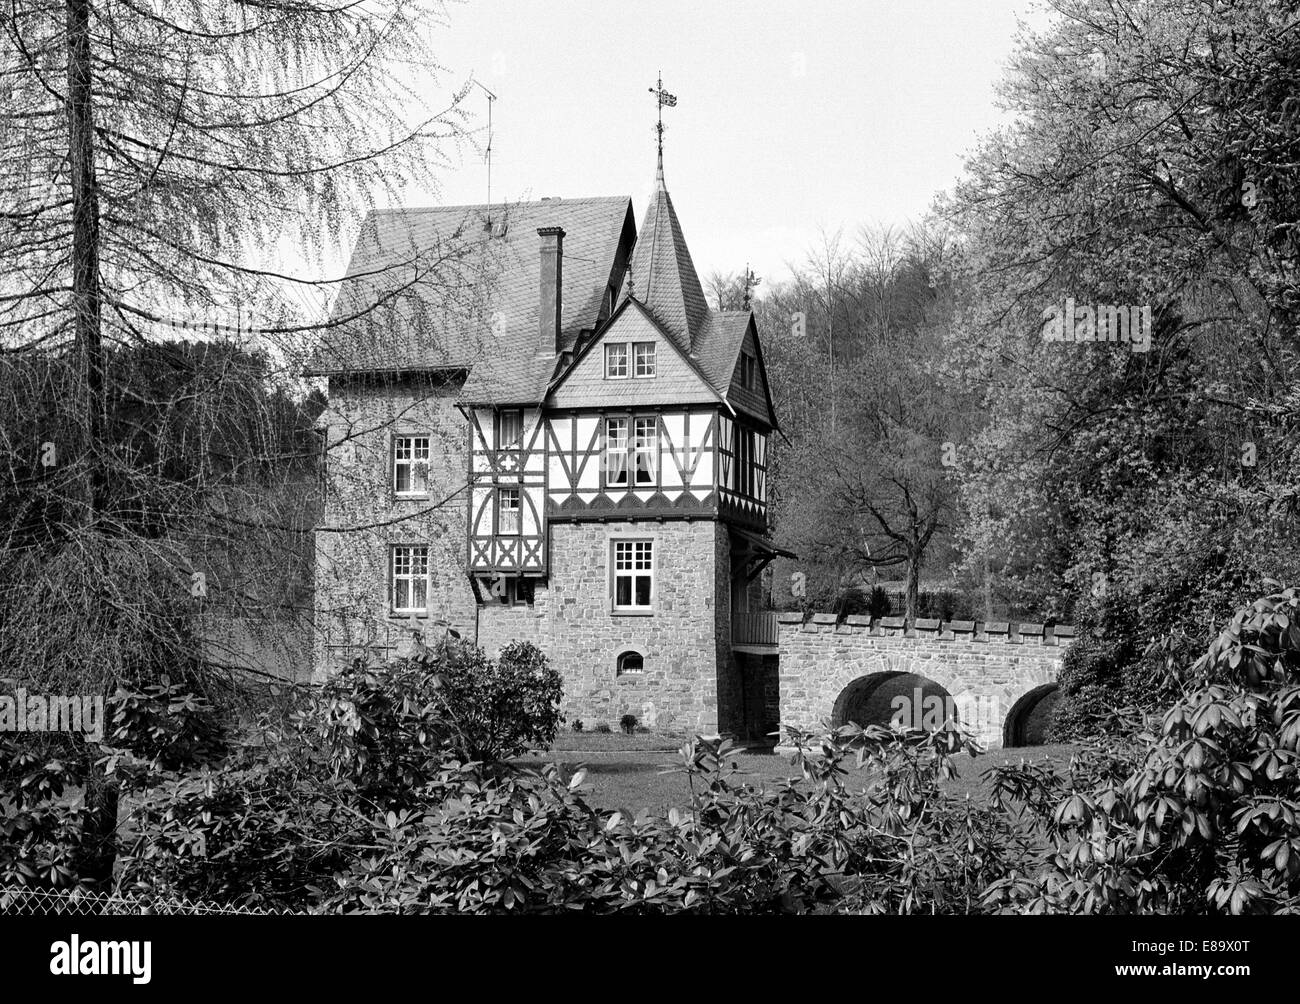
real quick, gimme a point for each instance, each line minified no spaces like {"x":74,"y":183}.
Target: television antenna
{"x":487,"y":156}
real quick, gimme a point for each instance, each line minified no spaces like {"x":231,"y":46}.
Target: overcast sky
{"x":791,"y":116}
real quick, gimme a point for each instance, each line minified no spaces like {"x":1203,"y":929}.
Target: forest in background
{"x":936,"y":430}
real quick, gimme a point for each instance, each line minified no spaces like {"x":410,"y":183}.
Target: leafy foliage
{"x":1140,"y":495}
{"x":501,"y":707}
{"x":1197,"y":813}
{"x":361,"y":803}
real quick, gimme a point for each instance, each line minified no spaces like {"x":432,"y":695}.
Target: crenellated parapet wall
{"x":988,"y":668}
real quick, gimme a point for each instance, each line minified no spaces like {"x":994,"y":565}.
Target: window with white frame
{"x":411,"y":465}
{"x":646,"y":436}
{"x":507,"y":510}
{"x":410,"y":578}
{"x":634,"y":575}
{"x":616,"y":361}
{"x":748,"y":371}
{"x":643,"y":359}
{"x":616,"y":452}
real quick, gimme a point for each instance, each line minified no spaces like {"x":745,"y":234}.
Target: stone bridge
{"x":998,"y":679}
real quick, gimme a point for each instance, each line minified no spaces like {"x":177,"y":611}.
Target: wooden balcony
{"x":754,"y":631}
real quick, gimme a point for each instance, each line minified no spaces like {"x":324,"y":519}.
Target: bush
{"x":364,"y":804}
{"x":499,"y":708}
{"x":1098,"y":674}
{"x":384,"y":728}
{"x":944,"y":604}
{"x":628,"y":724}
{"x":603,"y":728}
{"x":878,"y":604}
{"x":806,"y":846}
{"x":850,"y":600}
{"x":1189,"y":811}
{"x":270,"y":829}
{"x":577,"y":725}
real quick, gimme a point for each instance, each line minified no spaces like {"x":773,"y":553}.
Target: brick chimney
{"x":549,"y":301}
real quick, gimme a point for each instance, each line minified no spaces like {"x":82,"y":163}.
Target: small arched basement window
{"x":630,"y":663}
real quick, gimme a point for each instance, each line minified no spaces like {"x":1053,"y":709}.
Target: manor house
{"x":538,"y":429}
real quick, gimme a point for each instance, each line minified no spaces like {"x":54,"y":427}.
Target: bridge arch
{"x":987,"y":668}
{"x":872,"y":699}
{"x":1029,"y":717}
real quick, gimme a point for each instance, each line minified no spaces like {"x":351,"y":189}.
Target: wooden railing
{"x":754,"y":628}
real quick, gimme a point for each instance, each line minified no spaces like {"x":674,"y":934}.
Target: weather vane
{"x":751,"y":280}
{"x":664,"y":100}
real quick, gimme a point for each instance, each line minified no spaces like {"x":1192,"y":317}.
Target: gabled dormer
{"x":633,"y":426}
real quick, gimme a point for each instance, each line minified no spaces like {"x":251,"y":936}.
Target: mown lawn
{"x":568,"y":741}
{"x":630,"y":777}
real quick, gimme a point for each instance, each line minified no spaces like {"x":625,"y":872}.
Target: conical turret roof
{"x":662,"y":276}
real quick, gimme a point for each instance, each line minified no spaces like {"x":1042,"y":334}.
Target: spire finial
{"x":664,"y":99}
{"x":751,"y":280}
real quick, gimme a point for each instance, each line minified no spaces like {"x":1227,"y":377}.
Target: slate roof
{"x":662,"y":275}
{"x":434,"y":288}
{"x":718,"y":345}
{"x":451,"y":294}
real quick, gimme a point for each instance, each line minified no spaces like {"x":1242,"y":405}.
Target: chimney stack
{"x":549,"y":302}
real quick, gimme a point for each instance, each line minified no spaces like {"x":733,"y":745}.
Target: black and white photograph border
{"x":400,"y":515}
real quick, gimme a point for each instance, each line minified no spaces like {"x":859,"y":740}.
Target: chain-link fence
{"x":24,"y":901}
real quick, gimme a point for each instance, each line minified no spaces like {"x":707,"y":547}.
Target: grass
{"x":627,"y":777}
{"x":568,"y":741}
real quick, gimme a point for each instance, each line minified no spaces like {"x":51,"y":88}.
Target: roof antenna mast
{"x":488,"y":153}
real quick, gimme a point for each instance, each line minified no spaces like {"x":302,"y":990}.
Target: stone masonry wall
{"x":730,"y":689}
{"x":685,"y":642}
{"x":571,"y":621}
{"x":363,"y":517}
{"x":986,"y":668}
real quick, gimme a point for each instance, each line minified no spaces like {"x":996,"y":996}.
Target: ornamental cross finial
{"x":664,"y":100}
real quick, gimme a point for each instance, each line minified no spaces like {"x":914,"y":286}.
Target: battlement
{"x":1003,"y":632}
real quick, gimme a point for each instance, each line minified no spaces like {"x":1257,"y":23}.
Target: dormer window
{"x":616,"y":362}
{"x":644,"y":358}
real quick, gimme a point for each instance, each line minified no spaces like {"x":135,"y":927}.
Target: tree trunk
{"x":101,"y":791}
{"x":913,"y":584}
{"x":85,"y":244}
{"x":830,"y":343}
{"x":988,"y":590}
